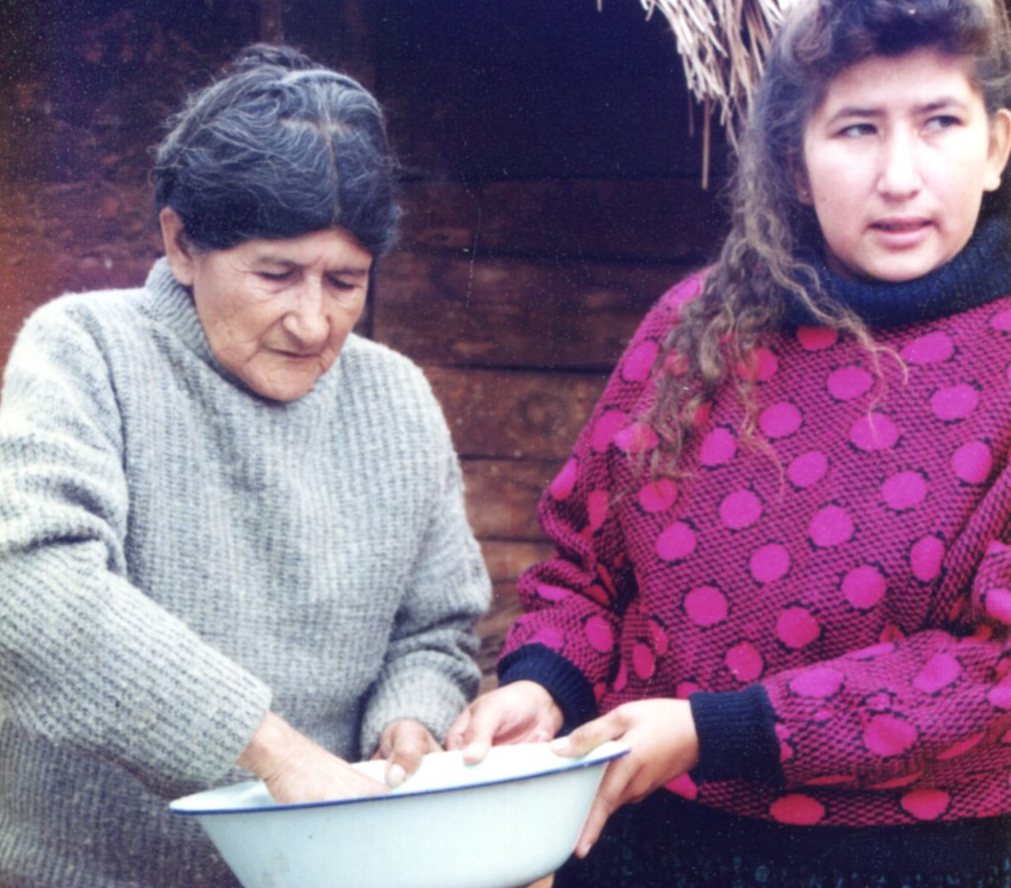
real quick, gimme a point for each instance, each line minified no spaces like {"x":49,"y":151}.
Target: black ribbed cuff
{"x":569,"y":687}
{"x":737,"y":736}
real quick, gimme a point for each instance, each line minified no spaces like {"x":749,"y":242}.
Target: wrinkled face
{"x":276,"y":312}
{"x":897,"y":158}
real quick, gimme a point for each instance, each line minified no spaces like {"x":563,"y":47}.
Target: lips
{"x":900,"y":226}
{"x":901,"y":234}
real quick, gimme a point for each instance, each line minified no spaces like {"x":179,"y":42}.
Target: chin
{"x":281,"y":391}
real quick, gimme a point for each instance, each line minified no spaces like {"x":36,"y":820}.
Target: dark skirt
{"x":666,"y":841}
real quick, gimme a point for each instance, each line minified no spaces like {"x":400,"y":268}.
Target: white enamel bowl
{"x":502,"y":823}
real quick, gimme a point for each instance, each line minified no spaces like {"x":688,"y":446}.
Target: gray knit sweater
{"x":178,"y":555}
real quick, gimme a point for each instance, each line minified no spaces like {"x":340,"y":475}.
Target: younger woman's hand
{"x":297,"y":769}
{"x":403,"y":744}
{"x":520,"y":712}
{"x":664,"y":745}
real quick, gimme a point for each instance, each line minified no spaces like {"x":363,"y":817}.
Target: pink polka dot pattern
{"x":639,"y":363}
{"x":608,"y":425}
{"x":808,"y":469}
{"x":972,"y":462}
{"x":1002,"y":321}
{"x":816,"y":338}
{"x":797,"y":627}
{"x":780,"y":420}
{"x":998,"y":604}
{"x":770,"y":563}
{"x":706,"y":606}
{"x":636,"y":438}
{"x":864,"y":586}
{"x":926,"y":804}
{"x":760,"y":367}
{"x":888,"y":735}
{"x":676,"y":542}
{"x":819,"y":683}
{"x":718,"y":447}
{"x":599,"y":634}
{"x":939,"y":672}
{"x":925,"y":558}
{"x":960,"y":748}
{"x":561,"y":487}
{"x":596,"y":508}
{"x":954,"y":402}
{"x":831,"y":526}
{"x":745,"y":662}
{"x":904,"y":490}
{"x":658,"y":496}
{"x":874,"y":432}
{"x":643,"y":661}
{"x":740,"y":509}
{"x":547,"y":592}
{"x":931,"y":348}
{"x":843,"y":562}
{"x":797,"y":810}
{"x":683,"y":786}
{"x":550,"y":638}
{"x":847,"y":383}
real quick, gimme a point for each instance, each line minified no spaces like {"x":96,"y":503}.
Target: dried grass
{"x":722,"y":44}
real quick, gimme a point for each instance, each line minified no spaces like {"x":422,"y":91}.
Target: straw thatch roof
{"x":722,"y":44}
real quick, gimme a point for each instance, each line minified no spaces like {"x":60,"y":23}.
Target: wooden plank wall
{"x":551,"y":194}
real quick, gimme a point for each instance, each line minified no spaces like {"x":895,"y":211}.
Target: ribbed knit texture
{"x":177,"y":555}
{"x":851,"y":578}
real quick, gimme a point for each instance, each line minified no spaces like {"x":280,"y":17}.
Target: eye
{"x":275,"y":276}
{"x":344,"y":285}
{"x":857,"y":130}
{"x":943,"y":122}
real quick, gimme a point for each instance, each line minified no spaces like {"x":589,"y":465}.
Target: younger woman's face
{"x":897,"y":158}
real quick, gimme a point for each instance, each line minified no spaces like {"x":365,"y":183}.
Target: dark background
{"x":552,"y":163}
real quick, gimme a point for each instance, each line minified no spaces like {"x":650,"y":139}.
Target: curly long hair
{"x":760,"y":267}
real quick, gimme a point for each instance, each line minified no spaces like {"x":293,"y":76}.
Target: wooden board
{"x":440,"y":309}
{"x":505,"y":414}
{"x":502,"y":496}
{"x":657,"y":219}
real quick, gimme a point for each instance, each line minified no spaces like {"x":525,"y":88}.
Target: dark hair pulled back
{"x":278,"y":147}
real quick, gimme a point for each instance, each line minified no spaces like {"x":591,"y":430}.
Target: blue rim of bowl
{"x":590,"y":760}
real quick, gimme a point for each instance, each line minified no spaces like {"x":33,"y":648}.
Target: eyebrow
{"x":926,"y":108}
{"x":268,"y":259}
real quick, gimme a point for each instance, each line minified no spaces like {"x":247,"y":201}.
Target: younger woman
{"x":783,"y":566}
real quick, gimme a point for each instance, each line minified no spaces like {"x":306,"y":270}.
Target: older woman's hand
{"x":403,"y":744}
{"x":520,"y":712}
{"x":297,"y":769}
{"x":661,"y":733}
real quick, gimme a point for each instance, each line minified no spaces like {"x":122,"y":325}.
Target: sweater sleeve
{"x":921,"y":712}
{"x":429,"y":671}
{"x":87,"y":660}
{"x":575,"y":601}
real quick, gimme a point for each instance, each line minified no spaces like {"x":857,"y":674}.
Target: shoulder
{"x":84,"y":314}
{"x":636,"y":363}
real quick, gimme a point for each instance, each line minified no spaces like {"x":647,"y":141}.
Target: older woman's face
{"x":276,"y":312}
{"x":897,"y":157}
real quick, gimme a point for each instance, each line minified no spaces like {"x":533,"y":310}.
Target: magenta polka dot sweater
{"x":837,"y":610}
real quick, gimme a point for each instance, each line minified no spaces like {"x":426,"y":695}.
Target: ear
{"x":803,"y":189}
{"x":1000,"y":146}
{"x":177,"y":249}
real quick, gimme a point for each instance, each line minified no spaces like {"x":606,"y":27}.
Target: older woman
{"x":231,"y":532}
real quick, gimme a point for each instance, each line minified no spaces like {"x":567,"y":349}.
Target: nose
{"x":899,"y":175}
{"x":307,"y":321}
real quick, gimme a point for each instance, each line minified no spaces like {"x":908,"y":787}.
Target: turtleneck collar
{"x":980,"y":273}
